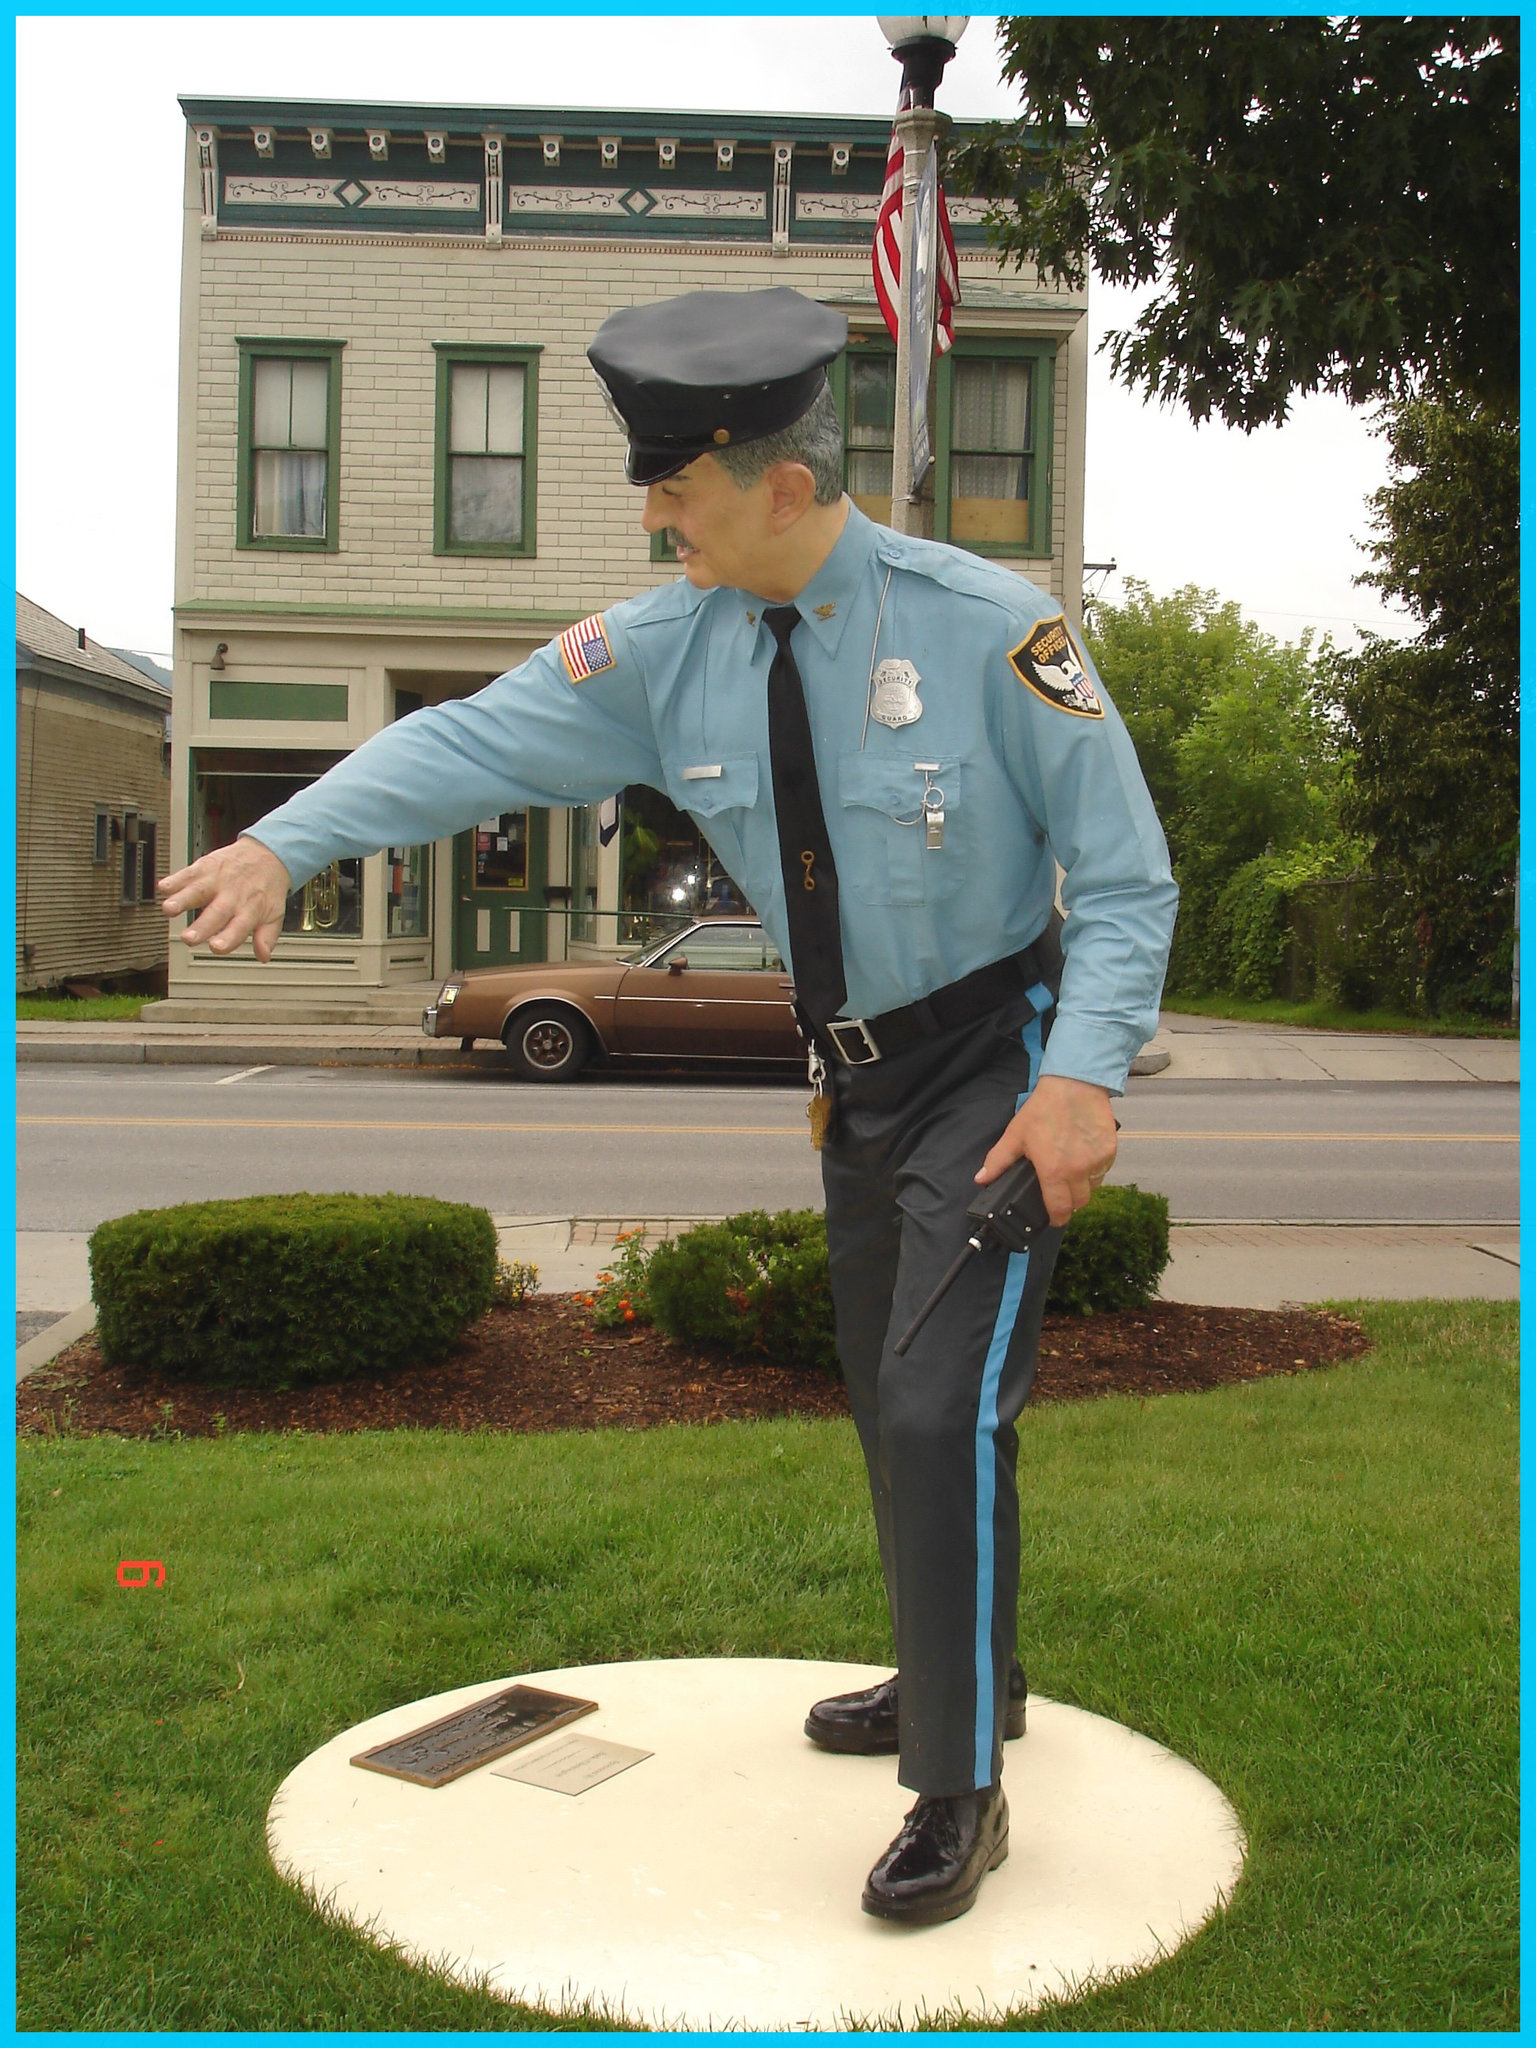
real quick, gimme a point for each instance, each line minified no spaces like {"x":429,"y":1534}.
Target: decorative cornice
{"x":783,"y":156}
{"x":971,"y":259}
{"x":400,"y":195}
{"x":208,"y":166}
{"x":691,"y":128}
{"x":635,"y":202}
{"x":493,"y":190}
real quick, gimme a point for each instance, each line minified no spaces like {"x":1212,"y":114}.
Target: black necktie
{"x":805,"y":851}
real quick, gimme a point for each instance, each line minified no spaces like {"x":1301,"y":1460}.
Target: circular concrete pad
{"x":717,"y":1883}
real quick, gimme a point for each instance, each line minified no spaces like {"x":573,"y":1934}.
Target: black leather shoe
{"x":933,"y":1869}
{"x":865,"y":1723}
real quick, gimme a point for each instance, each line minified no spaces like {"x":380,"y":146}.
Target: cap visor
{"x":644,"y":465}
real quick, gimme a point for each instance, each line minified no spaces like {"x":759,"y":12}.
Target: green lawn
{"x":79,"y":1009}
{"x":1305,"y":1586}
{"x":1325,"y":1016}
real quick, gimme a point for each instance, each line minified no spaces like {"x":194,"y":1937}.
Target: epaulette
{"x":967,"y":574}
{"x":667,"y":603}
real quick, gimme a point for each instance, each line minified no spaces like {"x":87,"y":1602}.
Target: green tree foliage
{"x":1240,"y":753}
{"x":1325,"y":201}
{"x":1435,"y":723}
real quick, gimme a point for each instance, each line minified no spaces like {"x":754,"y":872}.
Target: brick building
{"x":397,"y":476}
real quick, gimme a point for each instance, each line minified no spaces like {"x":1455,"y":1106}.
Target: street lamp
{"x":923,"y":44}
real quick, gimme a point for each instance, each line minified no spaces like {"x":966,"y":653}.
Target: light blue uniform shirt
{"x":1026,"y":781}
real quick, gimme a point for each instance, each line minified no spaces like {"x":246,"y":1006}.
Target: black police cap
{"x":710,"y":370}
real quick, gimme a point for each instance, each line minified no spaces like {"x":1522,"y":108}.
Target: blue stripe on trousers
{"x":986,"y":1426}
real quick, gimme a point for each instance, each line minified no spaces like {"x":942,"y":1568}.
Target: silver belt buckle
{"x":870,"y":1051}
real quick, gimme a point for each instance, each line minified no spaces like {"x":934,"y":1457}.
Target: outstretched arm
{"x":529,"y":738}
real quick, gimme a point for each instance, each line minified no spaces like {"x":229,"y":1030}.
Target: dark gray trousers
{"x":937,"y":1425}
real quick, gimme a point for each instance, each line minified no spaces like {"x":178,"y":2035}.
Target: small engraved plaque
{"x":573,"y":1764}
{"x":444,"y":1750}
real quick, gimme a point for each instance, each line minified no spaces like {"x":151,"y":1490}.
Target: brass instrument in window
{"x":322,"y":900}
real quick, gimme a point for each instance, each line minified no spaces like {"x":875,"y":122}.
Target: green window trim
{"x":526,"y":355}
{"x":1042,"y":355}
{"x":252,"y":349}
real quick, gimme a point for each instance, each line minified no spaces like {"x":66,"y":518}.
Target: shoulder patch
{"x":1047,"y":661}
{"x":585,"y":650}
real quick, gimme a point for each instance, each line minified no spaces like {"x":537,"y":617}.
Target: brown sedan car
{"x":716,"y":991}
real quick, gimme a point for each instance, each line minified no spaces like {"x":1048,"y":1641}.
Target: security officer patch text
{"x":1046,"y":661}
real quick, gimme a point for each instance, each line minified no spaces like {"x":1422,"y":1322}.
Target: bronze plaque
{"x":446,"y":1749}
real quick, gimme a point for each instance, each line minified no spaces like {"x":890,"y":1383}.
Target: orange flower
{"x":629,"y":1315}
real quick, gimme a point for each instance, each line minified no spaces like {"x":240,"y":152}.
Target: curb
{"x":199,"y":1053}
{"x":30,"y":1051}
{"x":47,"y":1344}
{"x":1152,"y":1059}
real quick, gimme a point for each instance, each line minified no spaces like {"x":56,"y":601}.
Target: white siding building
{"x":397,"y":476}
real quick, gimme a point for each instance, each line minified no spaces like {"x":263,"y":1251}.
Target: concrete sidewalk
{"x":1232,"y":1265}
{"x":1212,"y":1049}
{"x":1184,"y":1049}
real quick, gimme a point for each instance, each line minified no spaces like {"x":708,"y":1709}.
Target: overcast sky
{"x":1270,"y":519}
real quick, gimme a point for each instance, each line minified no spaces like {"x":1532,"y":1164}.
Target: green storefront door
{"x":499,"y":871}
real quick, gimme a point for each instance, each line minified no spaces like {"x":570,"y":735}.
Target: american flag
{"x":887,"y":254}
{"x":585,"y":648}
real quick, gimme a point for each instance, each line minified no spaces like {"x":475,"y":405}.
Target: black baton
{"x":1006,"y":1213}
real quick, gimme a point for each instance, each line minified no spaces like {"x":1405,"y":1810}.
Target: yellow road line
{"x":795,"y":1130}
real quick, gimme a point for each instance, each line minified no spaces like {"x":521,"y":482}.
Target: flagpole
{"x":919,"y":128}
{"x":922,"y":44}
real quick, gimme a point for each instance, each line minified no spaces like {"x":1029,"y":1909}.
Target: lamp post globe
{"x":923,"y":44}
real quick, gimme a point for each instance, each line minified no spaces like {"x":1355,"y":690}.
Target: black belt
{"x":860,"y":1041}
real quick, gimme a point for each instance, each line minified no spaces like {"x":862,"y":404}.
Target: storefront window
{"x":669,"y":870}
{"x":407,"y":870}
{"x":585,"y":848}
{"x":501,"y":851}
{"x":234,"y":789}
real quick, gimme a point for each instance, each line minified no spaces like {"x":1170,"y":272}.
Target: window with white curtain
{"x":290,"y":447}
{"x":990,"y":441}
{"x":486,"y":404}
{"x":871,"y":433}
{"x":990,"y":480}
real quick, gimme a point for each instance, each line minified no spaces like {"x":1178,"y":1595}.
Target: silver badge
{"x":893,"y":701}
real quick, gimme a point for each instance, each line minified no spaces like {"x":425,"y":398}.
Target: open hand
{"x":1067,"y":1131}
{"x":241,"y":891}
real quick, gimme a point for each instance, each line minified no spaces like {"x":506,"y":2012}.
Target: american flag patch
{"x":585,"y":649}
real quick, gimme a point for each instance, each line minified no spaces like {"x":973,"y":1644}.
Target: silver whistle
{"x":933,"y":806}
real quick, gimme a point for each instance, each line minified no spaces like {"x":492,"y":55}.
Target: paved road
{"x":96,"y":1142}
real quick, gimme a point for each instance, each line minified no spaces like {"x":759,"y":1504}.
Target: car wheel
{"x":546,"y":1044}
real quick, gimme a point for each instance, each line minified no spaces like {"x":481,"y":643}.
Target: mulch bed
{"x":543,"y":1367}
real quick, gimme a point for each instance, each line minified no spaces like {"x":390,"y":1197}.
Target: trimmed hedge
{"x":1113,"y":1253}
{"x":759,"y":1283}
{"x":754,"y":1282}
{"x":280,"y":1290}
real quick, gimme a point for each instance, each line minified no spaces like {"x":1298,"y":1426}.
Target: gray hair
{"x":815,"y":439}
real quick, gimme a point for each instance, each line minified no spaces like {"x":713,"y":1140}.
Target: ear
{"x":791,"y":494}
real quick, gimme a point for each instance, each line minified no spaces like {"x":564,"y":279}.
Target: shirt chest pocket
{"x":893,"y":808}
{"x":708,"y":787}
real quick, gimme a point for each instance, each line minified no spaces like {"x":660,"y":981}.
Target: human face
{"x":723,"y":535}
